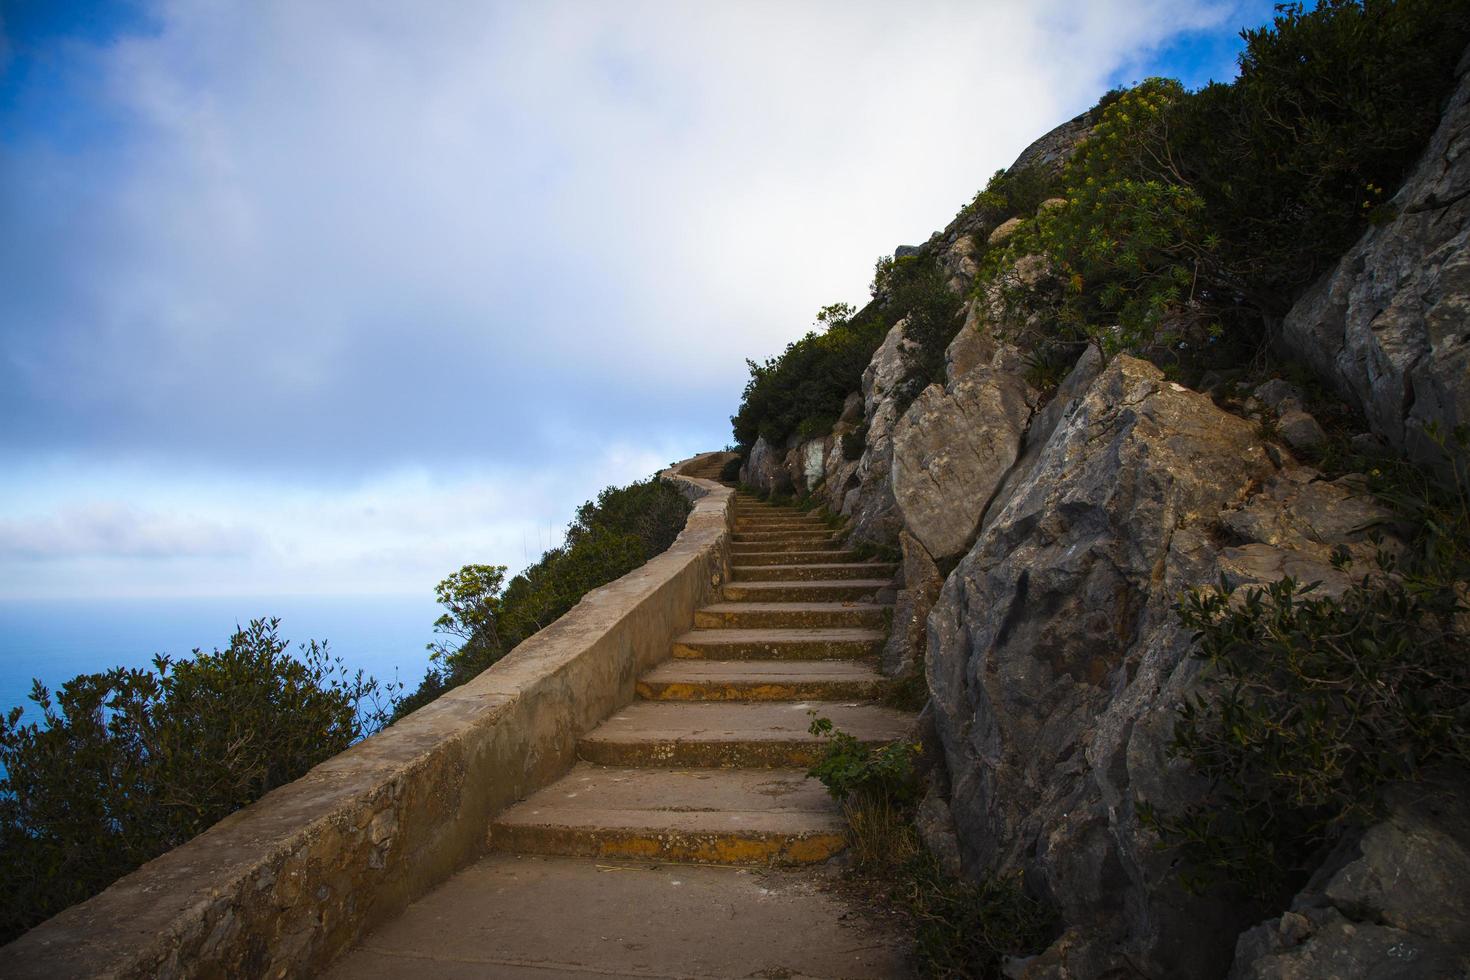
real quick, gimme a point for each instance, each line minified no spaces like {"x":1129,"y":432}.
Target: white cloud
{"x":330,"y":244}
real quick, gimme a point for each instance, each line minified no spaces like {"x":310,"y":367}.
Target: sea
{"x":53,"y":640}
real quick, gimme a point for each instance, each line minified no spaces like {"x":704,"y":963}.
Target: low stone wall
{"x":284,"y":885}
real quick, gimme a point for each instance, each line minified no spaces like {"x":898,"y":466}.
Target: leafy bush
{"x":730,"y":472}
{"x":960,"y":928}
{"x":802,"y":390}
{"x":129,"y":763}
{"x":851,"y":768}
{"x":1316,"y":702}
{"x":1126,"y":249}
{"x":917,"y":288}
{"x":967,"y":929}
{"x":1332,"y":107}
{"x":1194,"y":219}
{"x":1009,"y":193}
{"x":608,"y":538}
{"x":809,"y":380}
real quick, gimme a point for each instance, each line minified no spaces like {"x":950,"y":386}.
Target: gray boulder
{"x":1055,"y":663}
{"x":1387,"y":325}
{"x":1051,"y":152}
{"x":904,"y":649}
{"x":869,"y":503}
{"x":951,"y":450}
{"x":765,"y":469}
{"x":1390,"y":904}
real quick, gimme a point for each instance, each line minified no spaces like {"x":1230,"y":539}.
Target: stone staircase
{"x":709,"y":764}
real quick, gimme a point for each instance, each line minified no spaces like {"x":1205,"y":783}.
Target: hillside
{"x":1168,"y":431}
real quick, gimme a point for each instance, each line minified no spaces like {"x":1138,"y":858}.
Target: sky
{"x":333,"y":297}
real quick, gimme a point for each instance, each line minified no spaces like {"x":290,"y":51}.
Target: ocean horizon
{"x":54,"y":640}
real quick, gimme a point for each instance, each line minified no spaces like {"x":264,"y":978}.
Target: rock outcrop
{"x":1387,"y":905}
{"x":951,"y":450}
{"x":1056,"y":661}
{"x":1046,"y":538}
{"x":1054,"y":639}
{"x":1389,"y":326}
{"x":869,"y":503}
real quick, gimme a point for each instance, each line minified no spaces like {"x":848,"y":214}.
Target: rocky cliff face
{"x":1045,"y":539}
{"x":1389,"y":327}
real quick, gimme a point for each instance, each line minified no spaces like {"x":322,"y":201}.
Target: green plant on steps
{"x":961,"y":928}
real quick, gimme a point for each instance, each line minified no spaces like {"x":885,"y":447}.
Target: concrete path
{"x":689,"y":842}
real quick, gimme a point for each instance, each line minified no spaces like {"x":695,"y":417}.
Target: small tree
{"x":472,"y":607}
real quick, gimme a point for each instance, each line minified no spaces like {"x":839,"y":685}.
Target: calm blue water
{"x":57,"y":639}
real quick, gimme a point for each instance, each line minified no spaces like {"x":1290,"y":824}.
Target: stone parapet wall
{"x":283,"y":886}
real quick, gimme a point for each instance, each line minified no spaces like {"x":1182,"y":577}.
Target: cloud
{"x":330,"y":232}
{"x":200,"y":534}
{"x":109,"y":530}
{"x":307,"y":247}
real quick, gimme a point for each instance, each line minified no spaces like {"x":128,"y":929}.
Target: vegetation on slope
{"x":485,"y":618}
{"x":1188,"y":224}
{"x":801,"y":391}
{"x":1190,"y":220}
{"x":1312,"y":704}
{"x":129,"y":763}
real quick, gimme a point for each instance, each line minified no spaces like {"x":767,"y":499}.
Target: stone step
{"x":762,"y":680}
{"x":791,"y":615}
{"x":742,"y":548}
{"x":843,"y":556}
{"x":782,"y":537}
{"x":778,"y":644}
{"x":721,"y":734}
{"x":704,"y":816}
{"x":753,"y":558}
{"x":811,"y":573}
{"x":846,"y":591}
{"x":762,"y":527}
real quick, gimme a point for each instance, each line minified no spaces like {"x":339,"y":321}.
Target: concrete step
{"x":762,"y":680}
{"x":783,"y":537}
{"x":705,"y":816}
{"x":778,"y":644}
{"x":850,"y":590}
{"x":742,"y":548}
{"x":811,"y":573}
{"x":754,"y":558}
{"x":791,"y":615}
{"x":794,"y":557}
{"x":722,"y":734}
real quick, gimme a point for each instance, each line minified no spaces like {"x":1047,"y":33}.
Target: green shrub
{"x":1012,"y":193}
{"x":1332,"y":107}
{"x":127,"y":764}
{"x":850,"y":768}
{"x":802,"y":391}
{"x":960,"y":928}
{"x":1313,"y":703}
{"x":809,"y":380}
{"x":1195,"y":219}
{"x":1127,"y":248}
{"x":608,"y":538}
{"x":968,"y":928}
